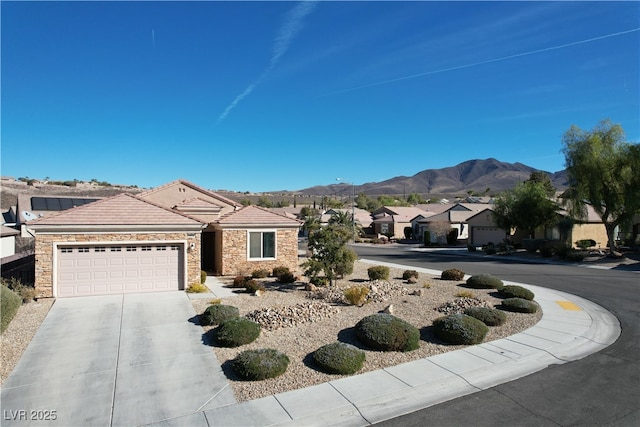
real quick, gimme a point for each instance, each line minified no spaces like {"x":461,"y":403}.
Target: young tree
{"x":440,"y":229}
{"x":330,"y":254}
{"x":544,"y":179}
{"x":526,"y":207}
{"x":603,"y":172}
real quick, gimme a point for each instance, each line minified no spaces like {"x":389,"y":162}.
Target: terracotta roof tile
{"x":123,"y":209}
{"x":195,"y":187}
{"x":256,"y":216}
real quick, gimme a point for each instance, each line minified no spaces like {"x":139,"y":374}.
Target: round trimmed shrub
{"x":287,"y":277}
{"x":460,"y":329}
{"x":378,"y":272}
{"x":519,"y":305}
{"x":514,"y":291}
{"x":484,"y":281}
{"x":218,"y":313}
{"x":253,"y":285}
{"x":339,"y":358}
{"x":386,"y":332}
{"x":279,"y":271}
{"x":260,"y":273}
{"x":237,"y":332}
{"x":239,"y":281}
{"x":255,"y":365}
{"x":488,"y":316}
{"x":452,"y":274}
{"x":409,"y":274}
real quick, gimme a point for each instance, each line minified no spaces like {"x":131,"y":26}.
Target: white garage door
{"x":484,"y":235}
{"x":103,"y":270}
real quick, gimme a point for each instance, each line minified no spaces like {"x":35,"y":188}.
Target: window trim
{"x":262,"y":232}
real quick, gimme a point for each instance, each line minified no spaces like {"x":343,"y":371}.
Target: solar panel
{"x":57,"y":203}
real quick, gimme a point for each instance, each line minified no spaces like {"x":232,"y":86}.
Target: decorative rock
{"x":417,"y":292}
{"x":389,"y":309}
{"x":412,"y":280}
{"x":258,"y":293}
{"x":310,"y":287}
{"x":459,"y":305}
{"x":273,"y":318}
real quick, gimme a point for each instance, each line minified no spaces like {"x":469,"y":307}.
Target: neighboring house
{"x":32,"y":206}
{"x":8,"y":241}
{"x":363,"y":217}
{"x":591,"y":228}
{"x":392,"y":220}
{"x":456,"y":216}
{"x":121,"y":244}
{"x":155,"y":241}
{"x":483,"y":230}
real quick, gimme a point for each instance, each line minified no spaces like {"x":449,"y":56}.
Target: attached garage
{"x":483,"y":235}
{"x":118,"y":245}
{"x":116,"y":269}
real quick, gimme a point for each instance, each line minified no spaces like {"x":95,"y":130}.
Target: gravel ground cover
{"x":298,"y":321}
{"x":18,"y":334}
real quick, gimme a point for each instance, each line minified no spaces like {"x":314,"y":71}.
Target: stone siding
{"x":234,"y":253}
{"x":45,"y":243}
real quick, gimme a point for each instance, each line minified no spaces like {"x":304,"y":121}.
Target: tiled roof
{"x":195,"y":187}
{"x":198,"y":203}
{"x":123,"y":209}
{"x":257,"y":216}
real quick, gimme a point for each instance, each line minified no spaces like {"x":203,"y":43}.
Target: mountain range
{"x":472,"y":175}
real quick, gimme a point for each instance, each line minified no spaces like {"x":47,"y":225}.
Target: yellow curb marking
{"x":568,"y":305}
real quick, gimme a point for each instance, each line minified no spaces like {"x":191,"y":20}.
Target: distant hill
{"x":472,"y":175}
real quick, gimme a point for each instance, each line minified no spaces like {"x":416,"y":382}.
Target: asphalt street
{"x":601,"y":389}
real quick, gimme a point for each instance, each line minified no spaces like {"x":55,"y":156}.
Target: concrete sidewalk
{"x":120,"y":360}
{"x":571,"y":328}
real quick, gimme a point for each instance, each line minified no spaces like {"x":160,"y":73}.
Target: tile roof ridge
{"x":194,"y":187}
{"x":135,"y":196}
{"x":267,"y":210}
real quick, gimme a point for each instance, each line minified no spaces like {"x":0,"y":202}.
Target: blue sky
{"x":263,"y":96}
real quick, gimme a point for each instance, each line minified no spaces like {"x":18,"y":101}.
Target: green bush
{"x":460,"y":329}
{"x":561,"y":250}
{"x":218,"y":313}
{"x":546,"y":250}
{"x":519,"y":305}
{"x":426,"y":237}
{"x":471,"y":248}
{"x":513,"y":291}
{"x":10,"y":303}
{"x":488,"y":316}
{"x":378,"y":272}
{"x":319,"y":281}
{"x":452,"y":236}
{"x":26,"y":292}
{"x":382,"y":331}
{"x":239,"y":281}
{"x":287,"y":278}
{"x":356,"y":295}
{"x":574,"y":256}
{"x":452,"y":274}
{"x":586,"y":243}
{"x":409,"y":274}
{"x":260,"y":273}
{"x":339,"y":358}
{"x":237,"y":332}
{"x":532,"y":245}
{"x":196,"y":288}
{"x":256,"y":365}
{"x":279,"y":271}
{"x":203,"y":276}
{"x":253,"y":285}
{"x":484,"y":281}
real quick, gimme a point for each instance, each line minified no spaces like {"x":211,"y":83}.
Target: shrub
{"x":10,"y":302}
{"x":218,"y":313}
{"x":546,"y":250}
{"x":409,"y":274}
{"x":519,"y":305}
{"x":484,"y":281}
{"x":287,"y":278}
{"x":532,"y":245}
{"x":426,"y":285}
{"x":319,"y":281}
{"x":339,"y":358}
{"x":561,"y":250}
{"x":237,"y":332}
{"x":382,"y":331}
{"x":256,"y":365}
{"x":488,"y":316}
{"x":585,"y":243}
{"x":197,"y":288}
{"x":574,"y":256}
{"x":513,"y":291}
{"x":471,"y":248}
{"x":452,"y":274}
{"x":215,"y":301}
{"x":356,"y":295}
{"x":279,"y":271}
{"x":426,"y":237}
{"x":239,"y":281}
{"x":252,"y":285}
{"x":452,"y":236}
{"x":379,"y":272}
{"x":203,"y":276}
{"x":460,"y":329}
{"x":465,"y":294}
{"x":26,"y":292}
{"x":260,"y":273}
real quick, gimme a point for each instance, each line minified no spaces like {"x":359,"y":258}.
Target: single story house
{"x":457,"y":216}
{"x":392,"y":220}
{"x":483,"y":230}
{"x":157,"y":240}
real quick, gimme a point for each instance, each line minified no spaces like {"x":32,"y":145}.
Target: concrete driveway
{"x":118,"y":360}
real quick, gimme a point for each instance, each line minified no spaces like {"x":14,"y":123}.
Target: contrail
{"x":488,"y":61}
{"x":287,"y":32}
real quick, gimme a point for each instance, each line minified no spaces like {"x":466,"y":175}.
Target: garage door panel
{"x":113,"y":270}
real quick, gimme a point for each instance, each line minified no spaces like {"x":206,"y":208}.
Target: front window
{"x":262,"y":244}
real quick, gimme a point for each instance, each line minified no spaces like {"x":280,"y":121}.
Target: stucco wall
{"x":234,"y":253}
{"x":596,"y":232}
{"x":45,"y":245}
